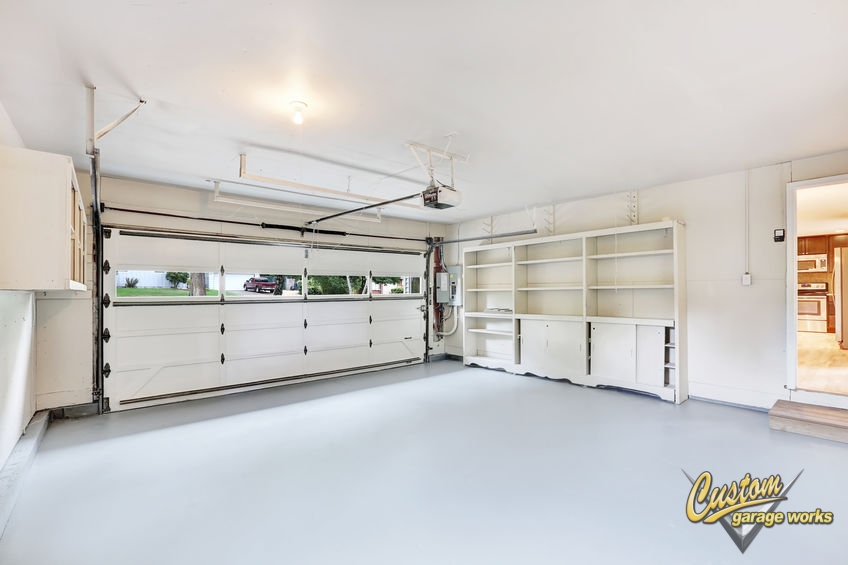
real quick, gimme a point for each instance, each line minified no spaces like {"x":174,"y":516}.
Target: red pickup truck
{"x":259,"y":284}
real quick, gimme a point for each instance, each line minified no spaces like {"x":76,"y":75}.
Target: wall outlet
{"x":746,"y":279}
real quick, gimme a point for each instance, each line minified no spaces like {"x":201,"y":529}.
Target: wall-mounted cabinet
{"x":598,"y":308}
{"x":42,"y":222}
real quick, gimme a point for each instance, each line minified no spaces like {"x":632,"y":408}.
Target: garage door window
{"x":262,"y":285}
{"x":387,"y":285}
{"x":348,"y":284}
{"x":165,"y":284}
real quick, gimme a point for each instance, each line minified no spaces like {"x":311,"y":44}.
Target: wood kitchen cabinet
{"x":814,"y":245}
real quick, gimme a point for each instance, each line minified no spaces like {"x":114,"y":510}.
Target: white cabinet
{"x":613,"y":354}
{"x":42,"y":222}
{"x":529,"y":305}
{"x":553,"y":349}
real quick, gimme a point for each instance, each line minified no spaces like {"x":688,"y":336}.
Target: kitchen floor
{"x":431,"y":464}
{"x":822,"y":365}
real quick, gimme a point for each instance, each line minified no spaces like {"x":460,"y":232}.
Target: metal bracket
{"x":107,"y":370}
{"x":304,"y":323}
{"x":632,"y":199}
{"x":107,"y":233}
{"x":106,"y":335}
{"x":106,"y":267}
{"x":106,"y":300}
{"x":222,"y":270}
{"x":222,"y":329}
{"x":370,"y":320}
{"x":223,"y":358}
{"x":304,"y":350}
{"x":370,"y":343}
{"x":106,"y":407}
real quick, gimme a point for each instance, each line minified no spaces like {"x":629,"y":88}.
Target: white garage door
{"x":190,"y":318}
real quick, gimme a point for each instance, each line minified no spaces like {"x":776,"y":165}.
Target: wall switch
{"x":746,"y":279}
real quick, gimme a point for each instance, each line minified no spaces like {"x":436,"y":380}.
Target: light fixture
{"x":298,"y":107}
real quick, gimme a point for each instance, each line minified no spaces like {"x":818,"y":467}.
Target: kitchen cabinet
{"x":814,"y":245}
{"x":42,"y":222}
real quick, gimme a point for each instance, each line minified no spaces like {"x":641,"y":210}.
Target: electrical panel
{"x":449,"y":287}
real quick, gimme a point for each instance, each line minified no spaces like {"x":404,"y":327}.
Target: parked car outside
{"x":259,"y":284}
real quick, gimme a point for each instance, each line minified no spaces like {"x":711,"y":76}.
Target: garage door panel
{"x":336,"y":335}
{"x":324,"y":313}
{"x":166,"y":349}
{"x":159,"y":380}
{"x":263,"y":315}
{"x":264,"y":341}
{"x":324,"y":359}
{"x":395,"y":351}
{"x":239,"y":371}
{"x":159,"y":318}
{"x":165,"y":254}
{"x":238,"y":257}
{"x":400,"y":328}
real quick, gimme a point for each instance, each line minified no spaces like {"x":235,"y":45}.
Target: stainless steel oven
{"x":812,"y":307}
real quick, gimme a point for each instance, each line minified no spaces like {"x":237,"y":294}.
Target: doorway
{"x":817,"y":277}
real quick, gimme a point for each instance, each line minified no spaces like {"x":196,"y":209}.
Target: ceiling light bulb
{"x":298,"y":107}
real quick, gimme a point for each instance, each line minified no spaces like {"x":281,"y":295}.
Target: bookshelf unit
{"x":603,"y":307}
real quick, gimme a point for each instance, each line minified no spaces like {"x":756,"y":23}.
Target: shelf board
{"x":631,"y":254}
{"x":501,"y":289}
{"x":489,"y":265}
{"x":499,"y":315}
{"x":503,"y":333}
{"x":631,"y":321}
{"x":550,"y":317}
{"x":559,"y":287}
{"x":74,"y":285}
{"x":671,"y":345}
{"x":670,"y":366}
{"x":634,"y":286}
{"x":552,"y":260}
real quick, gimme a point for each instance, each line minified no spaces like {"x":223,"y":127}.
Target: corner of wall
{"x":8,"y":132}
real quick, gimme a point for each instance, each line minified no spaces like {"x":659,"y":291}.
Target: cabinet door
{"x":802,"y":246}
{"x":650,"y":355}
{"x":613,"y":352}
{"x":816,"y":245}
{"x":553,"y":349}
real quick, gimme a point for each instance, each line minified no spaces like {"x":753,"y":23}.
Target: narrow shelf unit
{"x":601,"y":307}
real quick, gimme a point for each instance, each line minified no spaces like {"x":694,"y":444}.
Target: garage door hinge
{"x":222,"y":329}
{"x":304,"y":350}
{"x":223,"y":358}
{"x":370,"y":343}
{"x":222,"y":297}
{"x":222,"y":270}
{"x":106,"y":335}
{"x":107,"y":370}
{"x":106,"y":300}
{"x":304,"y":323}
{"x":106,"y":267}
{"x":107,"y":233}
{"x":370,"y":320}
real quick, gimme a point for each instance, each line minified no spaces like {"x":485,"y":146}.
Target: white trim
{"x":744,"y":397}
{"x":792,"y":271}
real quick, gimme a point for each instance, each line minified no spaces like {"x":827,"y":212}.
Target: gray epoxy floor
{"x":435,"y":464}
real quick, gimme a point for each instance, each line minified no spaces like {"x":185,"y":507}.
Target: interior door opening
{"x":821,"y":300}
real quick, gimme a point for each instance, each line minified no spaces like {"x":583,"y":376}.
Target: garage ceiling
{"x":551,"y":100}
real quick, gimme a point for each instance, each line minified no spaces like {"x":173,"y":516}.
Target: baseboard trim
{"x":17,"y":465}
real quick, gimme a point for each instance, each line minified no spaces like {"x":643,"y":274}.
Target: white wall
{"x":8,"y":133}
{"x":737,"y":334}
{"x":17,"y":367}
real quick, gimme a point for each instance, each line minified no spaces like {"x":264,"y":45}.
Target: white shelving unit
{"x":42,"y":222}
{"x":603,"y":307}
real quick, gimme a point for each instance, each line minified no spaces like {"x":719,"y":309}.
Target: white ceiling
{"x":552,"y":100}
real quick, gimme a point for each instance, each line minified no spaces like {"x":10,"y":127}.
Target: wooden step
{"x":807,"y":419}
